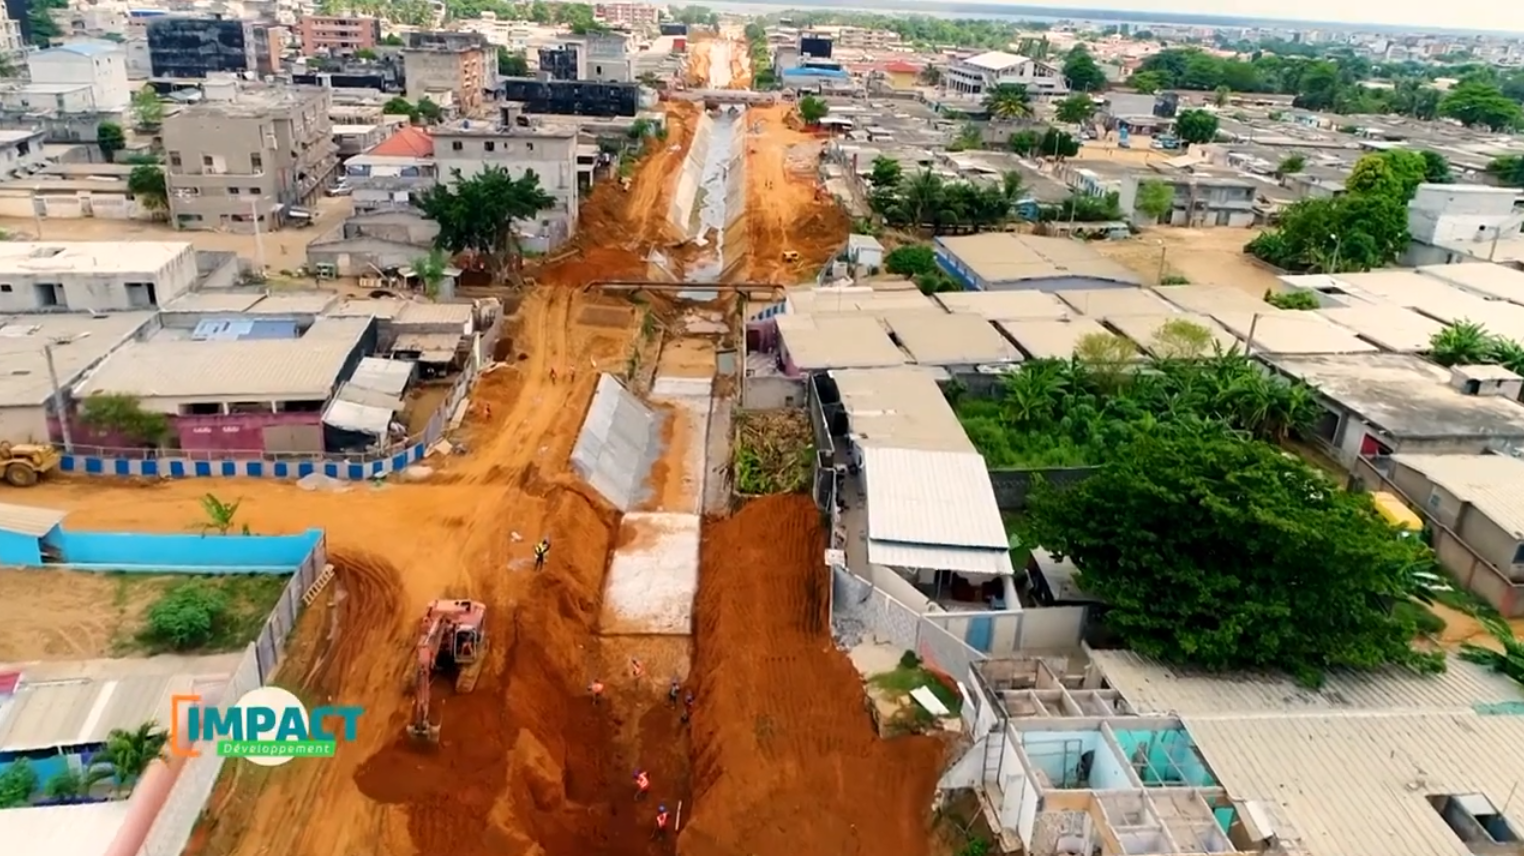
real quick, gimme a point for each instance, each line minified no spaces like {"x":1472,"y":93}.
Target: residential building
{"x":901,"y":76}
{"x":632,"y":15}
{"x":368,"y":244}
{"x":1461,"y":223}
{"x":1002,"y":261}
{"x":194,"y":48}
{"x":72,"y":191}
{"x":12,"y":43}
{"x":354,"y":139}
{"x":248,"y":155}
{"x":21,"y":152}
{"x":139,"y":58}
{"x":604,"y":57}
{"x":861,"y":38}
{"x":455,"y":62}
{"x":973,"y":75}
{"x":269,"y":46}
{"x":571,"y":97}
{"x":518,"y":145}
{"x":67,"y":344}
{"x":93,"y":22}
{"x":1199,"y":200}
{"x":336,"y":34}
{"x":386,"y":177}
{"x":93,"y":275}
{"x":97,"y":69}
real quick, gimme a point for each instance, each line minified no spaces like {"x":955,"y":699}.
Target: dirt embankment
{"x":786,"y":209}
{"x":785,"y":758}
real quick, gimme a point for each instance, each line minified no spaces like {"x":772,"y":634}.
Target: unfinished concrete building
{"x":435,"y":63}
{"x":247,"y":155}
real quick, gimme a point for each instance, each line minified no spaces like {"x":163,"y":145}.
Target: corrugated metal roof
{"x":416,"y":313}
{"x":294,"y":303}
{"x":899,"y":407}
{"x":361,"y":308}
{"x":354,"y":416}
{"x":62,"y":830}
{"x":368,"y":397}
{"x":29,"y":519}
{"x":304,"y":368}
{"x":388,"y":376}
{"x":1152,"y":687}
{"x":967,"y":559}
{"x":1494,"y":484}
{"x":837,"y":341}
{"x":1005,"y":305}
{"x":1358,"y":785}
{"x":69,"y":713}
{"x":214,"y":301}
{"x":919,"y":496}
{"x":430,"y":347}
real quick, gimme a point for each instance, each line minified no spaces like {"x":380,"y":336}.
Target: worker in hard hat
{"x":688,"y":707}
{"x":673,"y":691}
{"x":541,"y":550}
{"x":595,"y":689}
{"x":661,"y":822}
{"x":637,"y":671}
{"x":642,"y":784}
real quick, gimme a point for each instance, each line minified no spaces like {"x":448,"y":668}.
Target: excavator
{"x":452,"y":638}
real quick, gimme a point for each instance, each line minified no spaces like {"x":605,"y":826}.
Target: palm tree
{"x":1008,"y":101}
{"x":923,"y":194}
{"x":70,"y":783}
{"x":219,"y":514}
{"x":130,"y":752}
{"x":1509,"y":660}
{"x":430,"y":269}
{"x":1460,"y":344}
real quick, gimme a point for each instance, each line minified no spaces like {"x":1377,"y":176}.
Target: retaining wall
{"x":617,"y":445}
{"x":188,"y":797}
{"x":178,"y":463}
{"x":684,"y":200}
{"x":192,"y":554}
{"x":736,"y":240}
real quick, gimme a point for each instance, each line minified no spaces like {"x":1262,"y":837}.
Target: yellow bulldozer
{"x":23,"y":464}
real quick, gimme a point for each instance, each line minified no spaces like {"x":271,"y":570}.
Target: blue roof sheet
{"x":83,"y":49}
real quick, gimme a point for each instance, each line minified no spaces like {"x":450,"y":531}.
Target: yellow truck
{"x":1397,"y":513}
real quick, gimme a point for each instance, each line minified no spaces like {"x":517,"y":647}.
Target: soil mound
{"x":785,"y":757}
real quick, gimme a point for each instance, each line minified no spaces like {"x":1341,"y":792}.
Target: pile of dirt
{"x":515,"y":770}
{"x":785,"y":758}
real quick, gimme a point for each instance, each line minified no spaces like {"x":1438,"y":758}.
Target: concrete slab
{"x":688,"y":435}
{"x":653,"y":576}
{"x":617,"y":444}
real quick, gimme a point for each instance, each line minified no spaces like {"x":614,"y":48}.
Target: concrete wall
{"x":772,"y":393}
{"x":736,"y":239}
{"x":681,"y":213}
{"x":1012,"y":487}
{"x":200,"y":554}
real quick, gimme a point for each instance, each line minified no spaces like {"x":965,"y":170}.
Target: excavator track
{"x":465,"y":680}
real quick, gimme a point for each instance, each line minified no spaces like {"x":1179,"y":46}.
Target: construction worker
{"x":642,"y":784}
{"x":486,"y":411}
{"x":552,"y":374}
{"x":595,"y":689}
{"x":661,"y":822}
{"x":541,"y":550}
{"x":673,"y":691}
{"x":688,"y":707}
{"x":637,"y":671}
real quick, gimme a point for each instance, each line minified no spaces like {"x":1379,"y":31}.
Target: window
{"x":457,"y":146}
{"x":1518,"y":551}
{"x":141,"y":294}
{"x":201,"y":410}
{"x":256,"y":162}
{"x":232,"y":191}
{"x":206,"y":160}
{"x":174,"y":159}
{"x":1474,"y":819}
{"x":6,"y":288}
{"x":490,"y":146}
{"x":529,"y":146}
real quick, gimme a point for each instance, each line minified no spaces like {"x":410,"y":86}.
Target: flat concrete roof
{"x":1211,"y":299}
{"x":856,"y":300}
{"x":1143,"y":330}
{"x":29,"y":258}
{"x":1000,"y":257}
{"x":24,"y":380}
{"x":1056,"y":340}
{"x":901,"y":408}
{"x":837,"y":341}
{"x":1405,"y":396}
{"x":1111,"y":302}
{"x":1392,"y":327}
{"x":1501,"y":282}
{"x":1289,"y":331}
{"x":1005,"y":305}
{"x":937,"y":338}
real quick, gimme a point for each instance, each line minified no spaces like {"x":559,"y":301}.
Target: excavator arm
{"x":423,"y":676}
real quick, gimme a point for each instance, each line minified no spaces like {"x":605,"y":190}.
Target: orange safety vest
{"x":661,"y":821}
{"x":642,"y":782}
{"x":596,"y":688}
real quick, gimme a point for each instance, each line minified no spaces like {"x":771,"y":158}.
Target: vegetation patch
{"x":203,"y":614}
{"x":775,"y":452}
{"x":896,"y":711}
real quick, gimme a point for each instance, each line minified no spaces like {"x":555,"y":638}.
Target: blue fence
{"x":181,"y":468}
{"x":198,"y":554}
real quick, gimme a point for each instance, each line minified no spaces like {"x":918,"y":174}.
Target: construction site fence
{"x":181,"y":463}
{"x":854,"y":600}
{"x":192,"y":790}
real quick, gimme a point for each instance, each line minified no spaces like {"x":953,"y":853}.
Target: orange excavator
{"x":452,"y":638}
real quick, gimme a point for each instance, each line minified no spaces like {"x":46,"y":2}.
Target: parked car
{"x":340,"y":189}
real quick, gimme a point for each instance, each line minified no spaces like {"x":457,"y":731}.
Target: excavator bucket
{"x":428,"y":731}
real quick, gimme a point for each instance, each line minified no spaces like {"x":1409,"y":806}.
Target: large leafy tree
{"x":1008,"y":101}
{"x":1082,"y":72}
{"x":1075,"y":109}
{"x":1196,"y":126}
{"x":1221,"y":553}
{"x":1480,"y":104}
{"x":813,"y":109}
{"x":476,"y":214}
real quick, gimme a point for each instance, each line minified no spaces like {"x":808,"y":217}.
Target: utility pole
{"x":1249,"y":343}
{"x":259,"y":241}
{"x":1163,"y":252}
{"x":58,"y":400}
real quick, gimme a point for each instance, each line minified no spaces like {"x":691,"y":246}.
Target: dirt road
{"x":1212,"y":256}
{"x":785,"y":758}
{"x":785,"y":210}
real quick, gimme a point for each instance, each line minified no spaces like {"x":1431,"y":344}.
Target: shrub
{"x":187,"y":616}
{"x":17,"y":784}
{"x":912,"y":260}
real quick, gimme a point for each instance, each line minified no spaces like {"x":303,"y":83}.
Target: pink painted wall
{"x":143,"y":806}
{"x":239,"y":433}
{"x":84,"y":435}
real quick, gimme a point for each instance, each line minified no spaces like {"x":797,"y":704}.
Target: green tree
{"x":1436,"y":168}
{"x":511,"y":63}
{"x":220,"y":515}
{"x":1395,"y":173}
{"x":1155,"y":199}
{"x":431,"y":270}
{"x":886,"y":173}
{"x":1196,"y":126}
{"x":17,"y":784}
{"x":124,"y":415}
{"x":1026,"y":142}
{"x":186,"y":617}
{"x":110,"y":138}
{"x":1226,"y":554}
{"x":399,"y":106}
{"x":1290,"y":165}
{"x":147,"y":185}
{"x":1463,"y":343}
{"x":1058,"y":144}
{"x":1075,"y":109}
{"x":365,"y":55}
{"x":812,"y":109}
{"x":70,"y":783}
{"x":1007,"y":101}
{"x":1220,"y":96}
{"x":147,"y":109}
{"x":1508,"y":169}
{"x":1147,"y":82}
{"x":430,"y":112}
{"x":910,"y":260}
{"x":1477,"y":104}
{"x":476,"y":214}
{"x":1082,"y":72}
{"x":392,"y":41}
{"x":131,"y":751}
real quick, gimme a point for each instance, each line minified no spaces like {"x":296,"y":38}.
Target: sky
{"x":1458,"y":14}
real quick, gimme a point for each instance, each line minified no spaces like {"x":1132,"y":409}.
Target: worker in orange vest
{"x":642,"y":784}
{"x":661,"y":822}
{"x":596,"y":690}
{"x":552,"y":374}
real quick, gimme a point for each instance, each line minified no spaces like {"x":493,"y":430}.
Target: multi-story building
{"x":435,"y":62}
{"x":517,"y":144}
{"x":973,"y":75}
{"x":77,"y":78}
{"x":861,"y":38}
{"x":12,"y":43}
{"x":338,"y":34}
{"x":269,"y":46}
{"x":101,"y":276}
{"x":390,"y":174}
{"x":246,"y":156}
{"x":633,"y":15}
{"x":1199,"y":200}
{"x":198,"y":47}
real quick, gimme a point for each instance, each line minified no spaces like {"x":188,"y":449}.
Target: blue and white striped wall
{"x":181,"y":468}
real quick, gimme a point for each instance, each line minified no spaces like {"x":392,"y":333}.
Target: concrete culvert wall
{"x":690,"y":178}
{"x":617,"y":445}
{"x":737,"y":243}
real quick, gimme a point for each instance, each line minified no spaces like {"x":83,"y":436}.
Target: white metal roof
{"x":214,"y":301}
{"x":294,"y":303}
{"x":900,"y":407}
{"x":354,"y":416}
{"x":1109,"y":302}
{"x":1502,"y":282}
{"x":860,"y":299}
{"x":1005,"y":305}
{"x":293,"y":369}
{"x":995,"y":60}
{"x":1494,"y":484}
{"x":29,"y":519}
{"x":355,"y":307}
{"x":416,"y":313}
{"x":1211,"y":299}
{"x":969,"y":560}
{"x":382,"y":375}
{"x":81,"y":711}
{"x":62,"y":830}
{"x":1144,"y":330}
{"x":1288,"y":331}
{"x":24,"y":379}
{"x":1052,"y":339}
{"x":921,"y":496}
